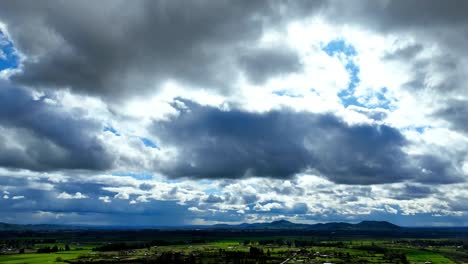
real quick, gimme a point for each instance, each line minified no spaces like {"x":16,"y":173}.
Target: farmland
{"x":227,"y":246}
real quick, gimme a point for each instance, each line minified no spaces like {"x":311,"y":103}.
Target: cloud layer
{"x":233,"y":111}
{"x":214,"y":143}
{"x":40,"y":136}
{"x":144,"y":46}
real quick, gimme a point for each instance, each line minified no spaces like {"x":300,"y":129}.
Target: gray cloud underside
{"x":40,"y":136}
{"x":118,"y":54}
{"x":111,"y":54}
{"x":114,"y":53}
{"x":456,"y":112}
{"x":212,"y":143}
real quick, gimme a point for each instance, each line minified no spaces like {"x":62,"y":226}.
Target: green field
{"x":32,"y":258}
{"x":242,"y":249}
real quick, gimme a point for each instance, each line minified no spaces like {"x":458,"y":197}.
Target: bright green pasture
{"x":33,"y":258}
{"x":421,"y":256}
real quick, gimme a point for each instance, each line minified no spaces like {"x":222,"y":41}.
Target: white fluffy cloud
{"x":77,"y":195}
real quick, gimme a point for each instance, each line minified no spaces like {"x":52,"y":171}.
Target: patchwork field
{"x":243,"y":249}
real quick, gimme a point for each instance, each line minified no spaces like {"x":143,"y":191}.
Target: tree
{"x":403,"y":259}
{"x":54,"y":249}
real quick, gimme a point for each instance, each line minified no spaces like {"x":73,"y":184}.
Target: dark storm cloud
{"x":212,"y":143}
{"x":40,"y":136}
{"x":438,"y":170}
{"x":45,"y":200}
{"x":113,"y":48}
{"x":118,"y":212}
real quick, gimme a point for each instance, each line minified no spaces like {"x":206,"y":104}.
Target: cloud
{"x":400,"y":15}
{"x":105,"y":199}
{"x":322,"y":200}
{"x":122,"y":196}
{"x":429,"y":46}
{"x":213,"y":199}
{"x":90,"y":107}
{"x":115,"y":54}
{"x":262,"y":63}
{"x":456,"y":113}
{"x":212,"y":143}
{"x":67,"y":196}
{"x":40,"y":136}
{"x":411,"y":191}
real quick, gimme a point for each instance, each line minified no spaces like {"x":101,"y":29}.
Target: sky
{"x":169,"y":113}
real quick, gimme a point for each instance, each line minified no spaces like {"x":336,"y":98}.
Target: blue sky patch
{"x":384,"y":102}
{"x":419,"y":129}
{"x":213,"y":191}
{"x":335,"y":48}
{"x":149,"y":143}
{"x":286,"y":93}
{"x":112,"y":130}
{"x":138,"y":176}
{"x":347,"y":96}
{"x":8,"y":56}
{"x":339,"y":46}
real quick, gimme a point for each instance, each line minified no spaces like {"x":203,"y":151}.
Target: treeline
{"x":298,"y":243}
{"x":17,"y":243}
{"x":53,"y":249}
{"x":396,"y":257}
{"x":254,"y":256}
{"x":24,"y":243}
{"x":139,"y":245}
{"x":428,"y":242}
{"x":372,"y":248}
{"x":391,"y":255}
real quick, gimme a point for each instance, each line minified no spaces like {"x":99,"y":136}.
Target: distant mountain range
{"x":16,"y":227}
{"x":276,"y":225}
{"x":287,"y":225}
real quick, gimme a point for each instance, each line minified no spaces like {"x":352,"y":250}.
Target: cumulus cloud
{"x":67,"y":196}
{"x":112,"y":54}
{"x":435,"y":57}
{"x":39,"y":136}
{"x":105,"y":199}
{"x":212,"y":143}
{"x":280,"y":121}
{"x":213,"y":199}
